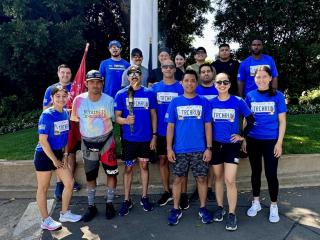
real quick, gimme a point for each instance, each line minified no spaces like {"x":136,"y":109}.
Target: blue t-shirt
{"x":225,"y":116}
{"x":165,"y":93}
{"x":265,"y":110}
{"x":56,"y":125}
{"x":189,"y":117}
{"x":47,"y":94}
{"x":248,"y":67}
{"x":207,"y":92}
{"x":144,"y":101}
{"x":112,"y":71}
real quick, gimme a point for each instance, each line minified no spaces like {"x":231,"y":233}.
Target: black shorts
{"x":225,"y":153}
{"x":161,"y":145}
{"x":43,"y":163}
{"x":133,"y":150}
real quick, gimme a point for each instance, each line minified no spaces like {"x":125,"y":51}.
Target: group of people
{"x":197,"y":117}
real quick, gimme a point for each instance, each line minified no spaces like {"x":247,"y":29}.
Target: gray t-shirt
{"x":145,"y":75}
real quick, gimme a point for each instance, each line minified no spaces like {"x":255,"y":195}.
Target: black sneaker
{"x":184,"y":201}
{"x":218,"y":214}
{"x":125,"y":207}
{"x":194,"y":196}
{"x":146,"y":205}
{"x":90,"y":213}
{"x":110,"y":211}
{"x":231,"y":224}
{"x":165,"y":198}
{"x":210,"y":195}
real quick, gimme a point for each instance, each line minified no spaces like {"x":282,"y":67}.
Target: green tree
{"x":179,"y":21}
{"x":289,"y":29}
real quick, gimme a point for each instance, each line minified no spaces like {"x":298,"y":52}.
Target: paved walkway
{"x":299,"y":213}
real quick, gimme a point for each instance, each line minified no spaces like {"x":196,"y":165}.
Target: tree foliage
{"x":179,"y":21}
{"x":290,"y":31}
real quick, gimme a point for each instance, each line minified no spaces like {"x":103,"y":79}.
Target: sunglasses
{"x":132,"y":74}
{"x":168,"y":66}
{"x":224,"y":82}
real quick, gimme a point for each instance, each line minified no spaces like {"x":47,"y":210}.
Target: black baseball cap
{"x":134,"y":68}
{"x":199,"y":49}
{"x":135,"y":52}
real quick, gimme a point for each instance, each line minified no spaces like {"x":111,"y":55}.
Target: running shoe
{"x":90,"y":213}
{"x":76,"y":187}
{"x":274,"y":214}
{"x":146,"y":205}
{"x":231,"y":224}
{"x":50,"y":224}
{"x":205,"y":215}
{"x":174,"y":216}
{"x":125,"y":207}
{"x":254,"y":209}
{"x":165,"y":198}
{"x":110,"y":211}
{"x":218,"y":214}
{"x":68,"y":216}
{"x":184,"y":201}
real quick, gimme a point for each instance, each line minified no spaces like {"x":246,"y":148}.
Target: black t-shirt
{"x":156,"y":75}
{"x":231,"y":68}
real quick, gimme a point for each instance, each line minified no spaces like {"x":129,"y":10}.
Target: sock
{"x":91,"y":192}
{"x":109,"y":195}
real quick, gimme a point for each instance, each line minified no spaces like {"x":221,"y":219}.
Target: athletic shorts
{"x":225,"y":153}
{"x":102,"y":149}
{"x":133,"y":150}
{"x":193,"y":160}
{"x":43,"y":163}
{"x":161,"y":145}
{"x":76,"y":148}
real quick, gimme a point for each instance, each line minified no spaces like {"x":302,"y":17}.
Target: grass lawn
{"x":302,"y":136}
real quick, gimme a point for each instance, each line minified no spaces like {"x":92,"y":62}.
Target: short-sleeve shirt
{"x":144,"y":101}
{"x":47,"y":94}
{"x":95,"y":118}
{"x":156,"y":75}
{"x":265,"y":109}
{"x":165,"y":93}
{"x":225,"y":117}
{"x":189,"y":117}
{"x":55,"y":124}
{"x":248,"y":67}
{"x":112,"y":71}
{"x":207,"y":92}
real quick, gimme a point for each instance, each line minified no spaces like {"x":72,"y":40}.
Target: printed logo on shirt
{"x":96,"y":113}
{"x":41,"y":127}
{"x":254,"y":68}
{"x":117,"y":67}
{"x":190,"y":111}
{"x":223,"y":115}
{"x":263,"y":108}
{"x":60,"y":127}
{"x":209,"y":97}
{"x":139,"y":103}
{"x":166,"y":97}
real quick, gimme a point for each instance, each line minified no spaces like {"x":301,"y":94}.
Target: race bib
{"x":166,"y":97}
{"x":254,"y":68}
{"x":263,"y":108}
{"x":139,"y":103}
{"x":60,"y":127}
{"x":223,"y":115}
{"x":191,"y":111}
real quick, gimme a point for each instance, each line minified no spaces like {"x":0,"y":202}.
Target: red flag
{"x":78,"y":86}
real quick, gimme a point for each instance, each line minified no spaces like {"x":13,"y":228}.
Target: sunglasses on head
{"x":168,"y":66}
{"x":224,"y":82}
{"x":132,"y":74}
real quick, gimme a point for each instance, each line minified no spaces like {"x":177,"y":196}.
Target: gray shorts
{"x":194,"y":160}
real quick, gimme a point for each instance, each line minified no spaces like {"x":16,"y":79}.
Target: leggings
{"x":256,"y":149}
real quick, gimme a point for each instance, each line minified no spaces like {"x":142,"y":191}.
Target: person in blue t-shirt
{"x":135,"y":110}
{"x":64,"y":75}
{"x":189,"y":143}
{"x":265,"y":139}
{"x":246,"y":82}
{"x":226,"y":112}
{"x":50,"y":154}
{"x":112,"y":68}
{"x":165,"y":91}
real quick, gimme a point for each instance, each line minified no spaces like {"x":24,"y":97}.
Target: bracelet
{"x":155,"y":134}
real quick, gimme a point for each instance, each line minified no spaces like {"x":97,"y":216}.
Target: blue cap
{"x":114,"y":42}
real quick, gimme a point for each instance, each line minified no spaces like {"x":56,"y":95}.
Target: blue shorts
{"x":43,"y":163}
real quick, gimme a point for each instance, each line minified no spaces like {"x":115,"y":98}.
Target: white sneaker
{"x":274,"y":214}
{"x":68,"y":216}
{"x":50,"y":224}
{"x":254,"y":209}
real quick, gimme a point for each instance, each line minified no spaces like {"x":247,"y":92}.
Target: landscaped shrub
{"x":303,"y":109}
{"x":310,"y":97}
